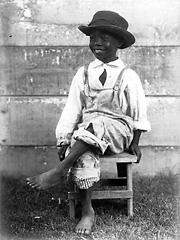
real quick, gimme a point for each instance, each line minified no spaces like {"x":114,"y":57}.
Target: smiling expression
{"x":104,"y":45}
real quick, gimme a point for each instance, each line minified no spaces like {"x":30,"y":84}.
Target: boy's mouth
{"x":97,"y":51}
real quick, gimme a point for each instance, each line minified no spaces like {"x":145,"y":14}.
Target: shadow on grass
{"x":26,"y":211}
{"x":29,"y":213}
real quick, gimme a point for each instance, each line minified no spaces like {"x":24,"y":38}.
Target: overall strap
{"x":86,"y":83}
{"x":86,"y":73}
{"x":119,"y":80}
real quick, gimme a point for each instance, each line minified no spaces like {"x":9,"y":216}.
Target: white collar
{"x":117,"y":63}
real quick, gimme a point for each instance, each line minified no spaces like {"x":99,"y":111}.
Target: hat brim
{"x":123,"y":34}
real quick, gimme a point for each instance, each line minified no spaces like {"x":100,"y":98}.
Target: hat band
{"x":102,"y":21}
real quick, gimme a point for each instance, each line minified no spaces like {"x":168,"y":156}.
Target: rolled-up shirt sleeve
{"x":72,"y":111}
{"x":137,"y":102}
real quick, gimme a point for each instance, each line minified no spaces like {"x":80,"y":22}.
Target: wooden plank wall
{"x":41,"y":49}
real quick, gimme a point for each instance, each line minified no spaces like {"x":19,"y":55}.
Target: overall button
{"x":116,"y":88}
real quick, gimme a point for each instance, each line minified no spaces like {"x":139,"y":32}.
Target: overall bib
{"x":113,"y":129}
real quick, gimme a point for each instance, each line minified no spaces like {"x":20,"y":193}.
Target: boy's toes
{"x":30,"y":180}
{"x":32,"y":183}
{"x":85,"y":231}
{"x":78,"y":230}
{"x":85,"y":224}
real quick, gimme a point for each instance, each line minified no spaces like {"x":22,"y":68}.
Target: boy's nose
{"x":98,"y":41}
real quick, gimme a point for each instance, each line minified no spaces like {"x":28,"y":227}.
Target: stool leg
{"x":71,"y":201}
{"x":72,"y":209}
{"x":129,"y":187}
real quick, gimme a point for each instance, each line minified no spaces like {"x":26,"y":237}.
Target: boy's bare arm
{"x":134,"y":146}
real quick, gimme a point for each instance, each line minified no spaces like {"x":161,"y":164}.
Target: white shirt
{"x":72,"y":111}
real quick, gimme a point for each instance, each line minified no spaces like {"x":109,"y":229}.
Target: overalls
{"x":113,"y":129}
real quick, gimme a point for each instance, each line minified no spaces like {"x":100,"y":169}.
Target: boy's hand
{"x":135,"y":150}
{"x":61,"y":151}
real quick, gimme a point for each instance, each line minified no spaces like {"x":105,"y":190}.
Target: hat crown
{"x":110,"y":18}
{"x":112,"y":23}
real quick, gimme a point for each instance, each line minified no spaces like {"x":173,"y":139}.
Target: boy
{"x":105,"y":113}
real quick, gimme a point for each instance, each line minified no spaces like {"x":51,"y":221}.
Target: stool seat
{"x":121,"y":157}
{"x":116,"y":170}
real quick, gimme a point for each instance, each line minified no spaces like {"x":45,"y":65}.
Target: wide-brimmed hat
{"x":110,"y":22}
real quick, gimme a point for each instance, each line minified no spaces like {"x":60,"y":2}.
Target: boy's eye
{"x":104,"y":37}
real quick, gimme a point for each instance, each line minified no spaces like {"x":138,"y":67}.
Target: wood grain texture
{"x":105,"y":194}
{"x":49,"y":70}
{"x":41,"y":49}
{"x":32,"y":121}
{"x":27,"y":161}
{"x":55,"y":22}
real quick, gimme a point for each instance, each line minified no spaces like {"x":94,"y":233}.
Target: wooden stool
{"x":116,"y":170}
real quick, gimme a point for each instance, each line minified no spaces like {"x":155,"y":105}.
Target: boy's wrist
{"x":136,"y":137}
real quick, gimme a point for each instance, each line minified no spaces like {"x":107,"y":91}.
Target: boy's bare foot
{"x":86,"y":223}
{"x":46,"y":180}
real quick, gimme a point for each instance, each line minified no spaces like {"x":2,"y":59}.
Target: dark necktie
{"x":102,"y":77}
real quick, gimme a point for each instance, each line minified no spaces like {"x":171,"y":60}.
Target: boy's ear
{"x":119,"y":44}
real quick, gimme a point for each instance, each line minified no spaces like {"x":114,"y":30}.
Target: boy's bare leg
{"x":87,"y":220}
{"x":58,"y":174}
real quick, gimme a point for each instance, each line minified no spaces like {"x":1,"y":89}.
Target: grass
{"x":31,"y":214}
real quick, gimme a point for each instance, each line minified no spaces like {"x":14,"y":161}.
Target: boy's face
{"x":104,"y":45}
